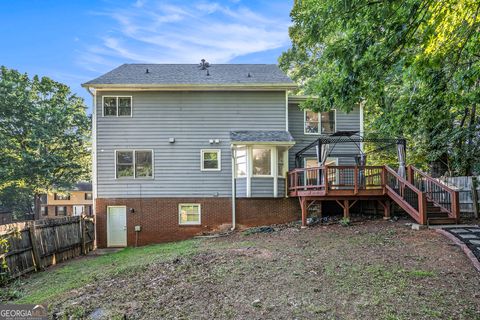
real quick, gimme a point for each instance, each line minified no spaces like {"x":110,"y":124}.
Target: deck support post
{"x":303,"y":206}
{"x":386,"y":209}
{"x":346,"y":209}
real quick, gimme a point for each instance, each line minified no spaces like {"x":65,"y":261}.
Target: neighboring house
{"x":180,"y":149}
{"x":75,"y":202}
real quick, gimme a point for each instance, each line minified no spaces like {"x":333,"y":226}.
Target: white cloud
{"x":172,"y":32}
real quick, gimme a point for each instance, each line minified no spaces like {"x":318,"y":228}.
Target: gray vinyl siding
{"x":192,"y":118}
{"x":345,"y":121}
{"x":281,"y":187}
{"x":241,"y":184}
{"x":262,"y":187}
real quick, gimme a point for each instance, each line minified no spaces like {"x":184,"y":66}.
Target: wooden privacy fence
{"x":34,"y":245}
{"x":464,"y":187}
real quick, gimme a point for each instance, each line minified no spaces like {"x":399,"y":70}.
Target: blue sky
{"x":75,"y":41}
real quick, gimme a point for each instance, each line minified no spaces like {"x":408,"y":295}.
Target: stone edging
{"x":462,"y":245}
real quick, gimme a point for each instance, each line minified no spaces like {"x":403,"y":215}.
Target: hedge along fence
{"x":34,"y":245}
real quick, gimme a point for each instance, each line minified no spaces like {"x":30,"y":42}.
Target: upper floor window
{"x":261,"y":161}
{"x":320,"y":122}
{"x":88,"y":196}
{"x":134,"y":164}
{"x":211,"y":160}
{"x":117,"y":106}
{"x":58,"y":196}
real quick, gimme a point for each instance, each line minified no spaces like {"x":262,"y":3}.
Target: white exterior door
{"x":77,"y":210}
{"x":116,"y":226}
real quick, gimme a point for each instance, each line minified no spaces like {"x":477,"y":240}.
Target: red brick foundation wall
{"x":158,"y":217}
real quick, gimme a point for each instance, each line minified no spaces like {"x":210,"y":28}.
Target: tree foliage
{"x":413,"y":64}
{"x":44,"y":135}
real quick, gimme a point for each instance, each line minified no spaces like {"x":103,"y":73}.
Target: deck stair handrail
{"x":406,"y":195}
{"x":437,"y":192}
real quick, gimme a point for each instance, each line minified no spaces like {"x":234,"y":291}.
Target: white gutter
{"x":234,"y":189}
{"x":194,"y":87}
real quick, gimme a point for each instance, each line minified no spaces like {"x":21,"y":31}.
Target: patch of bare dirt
{"x":370,"y":270}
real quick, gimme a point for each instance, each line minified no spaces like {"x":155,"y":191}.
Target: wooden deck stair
{"x":436,"y":216}
{"x":425,"y":199}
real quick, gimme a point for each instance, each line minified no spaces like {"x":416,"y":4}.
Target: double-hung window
{"x":117,"y":106}
{"x":134,"y":164}
{"x":211,"y":160}
{"x":60,"y":211}
{"x":58,"y":196}
{"x":189,"y":214}
{"x":320,"y":122}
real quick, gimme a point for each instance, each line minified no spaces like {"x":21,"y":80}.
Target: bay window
{"x":261,"y":161}
{"x":241,"y":162}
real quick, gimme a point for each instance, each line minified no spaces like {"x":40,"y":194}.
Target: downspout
{"x":94,"y":159}
{"x":234,"y":188}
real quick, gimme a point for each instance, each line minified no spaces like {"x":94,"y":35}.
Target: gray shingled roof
{"x":184,"y":74}
{"x":83,"y":186}
{"x":261,"y":136}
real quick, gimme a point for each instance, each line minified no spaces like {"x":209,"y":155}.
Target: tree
{"x":44,"y":135}
{"x":413,"y":64}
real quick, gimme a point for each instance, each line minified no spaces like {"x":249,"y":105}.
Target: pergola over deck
{"x":424,"y":198}
{"x":325,"y":146}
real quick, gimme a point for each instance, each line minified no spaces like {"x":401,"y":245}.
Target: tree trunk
{"x":36,"y":207}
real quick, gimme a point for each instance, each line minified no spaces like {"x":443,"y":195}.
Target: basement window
{"x":189,"y":214}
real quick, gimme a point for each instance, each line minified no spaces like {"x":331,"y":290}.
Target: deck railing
{"x":442,"y":195}
{"x":336,"y":178}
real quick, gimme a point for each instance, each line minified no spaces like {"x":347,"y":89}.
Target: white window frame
{"x":134,"y":164}
{"x":319,"y":122}
{"x":190,"y":223}
{"x":245,"y":148}
{"x":219,"y":159}
{"x":117,"y":115}
{"x":272,"y":161}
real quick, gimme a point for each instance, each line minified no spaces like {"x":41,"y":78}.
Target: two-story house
{"x":75,"y":202}
{"x":180,"y":149}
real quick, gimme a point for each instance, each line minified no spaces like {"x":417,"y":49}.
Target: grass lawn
{"x":371,"y":270}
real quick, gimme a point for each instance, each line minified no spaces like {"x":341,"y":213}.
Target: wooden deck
{"x":427,"y":200}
